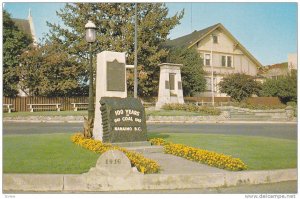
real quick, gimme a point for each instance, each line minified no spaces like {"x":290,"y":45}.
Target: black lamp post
{"x":90,"y":37}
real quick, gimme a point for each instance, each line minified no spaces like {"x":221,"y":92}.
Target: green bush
{"x":285,"y":88}
{"x":192,"y":108}
{"x":239,"y":86}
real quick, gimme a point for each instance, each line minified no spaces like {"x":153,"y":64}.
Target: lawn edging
{"x":83,"y":182}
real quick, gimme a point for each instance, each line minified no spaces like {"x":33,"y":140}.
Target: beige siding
{"x":240,"y":63}
{"x":226,"y":47}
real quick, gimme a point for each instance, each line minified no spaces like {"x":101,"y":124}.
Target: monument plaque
{"x":115,"y":76}
{"x":167,"y":85}
{"x":172,"y":81}
{"x":179,"y":85}
{"x":123,"y":120}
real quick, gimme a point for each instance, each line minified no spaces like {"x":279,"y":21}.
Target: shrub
{"x":203,"y":156}
{"x":239,"y":86}
{"x":285,"y":88}
{"x":143,"y":164}
{"x":192,"y":108}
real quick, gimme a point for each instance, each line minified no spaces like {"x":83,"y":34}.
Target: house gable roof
{"x":193,"y":38}
{"x":187,"y":40}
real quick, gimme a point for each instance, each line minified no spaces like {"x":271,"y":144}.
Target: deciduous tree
{"x":49,"y":71}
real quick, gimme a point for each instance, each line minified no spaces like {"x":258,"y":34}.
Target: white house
{"x":222,"y":53}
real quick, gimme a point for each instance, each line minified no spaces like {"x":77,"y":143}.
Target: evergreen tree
{"x":115,"y":32}
{"x":15,"y":42}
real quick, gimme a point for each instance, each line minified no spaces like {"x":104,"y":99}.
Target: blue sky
{"x":267,"y":30}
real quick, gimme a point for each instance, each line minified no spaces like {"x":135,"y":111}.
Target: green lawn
{"x":55,"y":153}
{"x":51,"y":153}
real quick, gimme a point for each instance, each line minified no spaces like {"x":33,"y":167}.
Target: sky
{"x":267,"y":30}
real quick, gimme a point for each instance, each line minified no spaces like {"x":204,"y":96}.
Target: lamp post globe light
{"x":90,"y":36}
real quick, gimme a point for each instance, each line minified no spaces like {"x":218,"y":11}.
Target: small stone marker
{"x":170,"y":85}
{"x":113,"y":163}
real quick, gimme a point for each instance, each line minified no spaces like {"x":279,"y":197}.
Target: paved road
{"x":285,"y":131}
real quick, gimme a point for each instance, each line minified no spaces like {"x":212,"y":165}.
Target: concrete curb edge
{"x":137,"y":181}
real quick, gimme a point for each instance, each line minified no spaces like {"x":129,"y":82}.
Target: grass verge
{"x":55,"y":153}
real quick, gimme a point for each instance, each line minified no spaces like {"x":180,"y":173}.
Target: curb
{"x":137,"y":181}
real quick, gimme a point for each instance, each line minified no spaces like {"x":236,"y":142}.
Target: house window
{"x":223,"y":60}
{"x":208,"y":83}
{"x":215,"y":39}
{"x":207,"y":60}
{"x":226,"y":61}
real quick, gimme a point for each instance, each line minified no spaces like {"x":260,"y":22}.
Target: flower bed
{"x":199,"y":155}
{"x":143,"y":164}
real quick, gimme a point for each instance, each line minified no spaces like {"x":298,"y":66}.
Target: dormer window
{"x":215,"y":39}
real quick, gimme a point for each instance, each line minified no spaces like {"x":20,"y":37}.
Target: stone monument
{"x":170,"y":85}
{"x":110,"y":82}
{"x":117,"y":117}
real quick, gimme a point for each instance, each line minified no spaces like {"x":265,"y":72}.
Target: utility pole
{"x":212,"y":72}
{"x":135,"y":54}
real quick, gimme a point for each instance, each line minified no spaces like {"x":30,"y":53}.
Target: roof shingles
{"x":187,"y":40}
